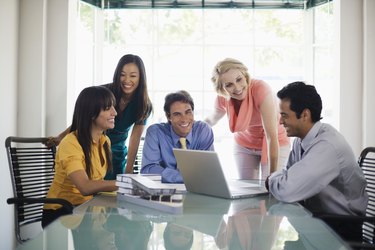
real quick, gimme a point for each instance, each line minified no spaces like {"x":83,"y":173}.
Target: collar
{"x":176,"y":138}
{"x":306,"y":142}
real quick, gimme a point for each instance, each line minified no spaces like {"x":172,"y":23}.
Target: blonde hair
{"x":223,"y":67}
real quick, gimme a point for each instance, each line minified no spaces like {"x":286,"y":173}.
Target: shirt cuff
{"x":170,"y":175}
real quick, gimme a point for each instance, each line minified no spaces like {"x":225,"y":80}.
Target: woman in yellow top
{"x":84,"y":155}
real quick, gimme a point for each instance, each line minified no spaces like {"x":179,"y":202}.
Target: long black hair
{"x":90,"y":102}
{"x":143,"y":102}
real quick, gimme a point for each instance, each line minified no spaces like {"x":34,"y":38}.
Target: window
{"x":181,"y":46}
{"x":322,"y":48}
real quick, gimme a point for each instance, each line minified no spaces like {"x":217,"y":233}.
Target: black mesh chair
{"x":138,"y":158}
{"x":31,"y":167}
{"x":367,"y":163}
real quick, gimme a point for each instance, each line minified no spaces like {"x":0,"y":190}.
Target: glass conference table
{"x":106,"y":222}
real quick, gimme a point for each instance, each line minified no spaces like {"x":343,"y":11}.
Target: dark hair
{"x":179,"y":96}
{"x":302,"y":96}
{"x":90,"y":102}
{"x":143,"y":102}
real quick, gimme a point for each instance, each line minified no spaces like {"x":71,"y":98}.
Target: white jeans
{"x":248,"y":162}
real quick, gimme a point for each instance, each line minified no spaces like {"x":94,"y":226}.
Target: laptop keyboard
{"x":243,"y":184}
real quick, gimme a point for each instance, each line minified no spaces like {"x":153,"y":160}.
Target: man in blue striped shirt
{"x":161,"y":138}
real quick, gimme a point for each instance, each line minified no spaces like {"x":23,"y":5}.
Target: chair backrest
{"x":367,"y":162}
{"x":138,"y":158}
{"x":31,"y":167}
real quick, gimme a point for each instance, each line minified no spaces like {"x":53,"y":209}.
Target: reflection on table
{"x":206,"y":223}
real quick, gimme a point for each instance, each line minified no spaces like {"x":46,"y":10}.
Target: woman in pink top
{"x":262,"y":145}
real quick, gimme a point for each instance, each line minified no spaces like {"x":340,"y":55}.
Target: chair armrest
{"x":66,"y":204}
{"x":346,"y":218}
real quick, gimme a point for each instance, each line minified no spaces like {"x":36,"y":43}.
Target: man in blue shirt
{"x":322,"y":171}
{"x":158,"y":157}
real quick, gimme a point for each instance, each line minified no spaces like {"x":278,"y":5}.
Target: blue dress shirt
{"x":326,"y":176}
{"x":158,"y":157}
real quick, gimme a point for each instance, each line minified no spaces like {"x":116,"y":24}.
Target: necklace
{"x":124,"y":102}
{"x":126,"y":99}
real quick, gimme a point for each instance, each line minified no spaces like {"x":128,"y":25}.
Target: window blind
{"x":253,"y":4}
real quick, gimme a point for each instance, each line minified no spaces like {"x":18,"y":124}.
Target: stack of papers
{"x":135,"y":184}
{"x":147,"y":190}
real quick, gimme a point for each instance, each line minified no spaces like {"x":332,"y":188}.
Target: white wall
{"x":31,"y":77}
{"x":46,"y":49}
{"x":60,"y":64}
{"x":349,"y":69}
{"x":355,"y":57}
{"x":35,"y":69}
{"x":368,"y":127}
{"x":8,"y":108}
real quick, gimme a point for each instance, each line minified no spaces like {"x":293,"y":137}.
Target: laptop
{"x":203,"y":174}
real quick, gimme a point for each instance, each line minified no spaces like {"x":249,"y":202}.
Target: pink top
{"x":247,"y":126}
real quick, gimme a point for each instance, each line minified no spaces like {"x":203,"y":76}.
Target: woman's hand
{"x":55,"y":141}
{"x":52,"y":141}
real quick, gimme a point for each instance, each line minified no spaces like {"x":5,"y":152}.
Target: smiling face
{"x":294,"y":127}
{"x":105,"y":119}
{"x":129,"y":78}
{"x":181,"y":117}
{"x":234,"y":83}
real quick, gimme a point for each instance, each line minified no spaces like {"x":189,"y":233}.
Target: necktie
{"x":183,"y":142}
